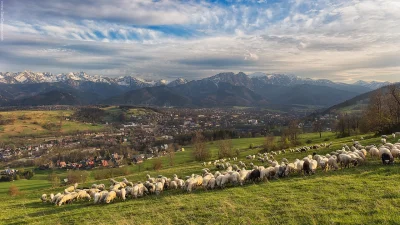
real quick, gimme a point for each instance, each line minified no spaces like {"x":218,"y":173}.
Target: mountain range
{"x":224,"y":89}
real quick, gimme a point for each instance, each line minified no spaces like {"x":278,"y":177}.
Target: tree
{"x":269,"y":143}
{"x":318,"y":127}
{"x":200,"y":149}
{"x":225,"y":148}
{"x":171,"y":155}
{"x":293,"y":130}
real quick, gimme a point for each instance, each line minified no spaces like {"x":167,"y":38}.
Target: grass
{"x":366,"y":194}
{"x":34,"y":121}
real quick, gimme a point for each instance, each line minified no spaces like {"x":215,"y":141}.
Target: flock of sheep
{"x":232,"y":174}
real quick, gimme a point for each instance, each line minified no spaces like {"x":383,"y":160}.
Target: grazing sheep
{"x":307,"y":168}
{"x":70,"y":188}
{"x":254,"y":175}
{"x":128,"y":183}
{"x":121,"y":194}
{"x":103,"y":196}
{"x":346,"y":160}
{"x":44,"y":198}
{"x":101,"y":187}
{"x":83,"y":195}
{"x":67,"y":198}
{"x":173,"y":185}
{"x":374,"y":152}
{"x":211,"y":183}
{"x":150,"y":179}
{"x":387,"y":159}
{"x":159,"y":187}
{"x":110,"y":197}
{"x":332,"y":163}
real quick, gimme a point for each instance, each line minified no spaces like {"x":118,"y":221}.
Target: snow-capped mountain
{"x":177,"y":82}
{"x":289,"y":80}
{"x":372,"y":84}
{"x":28,"y":77}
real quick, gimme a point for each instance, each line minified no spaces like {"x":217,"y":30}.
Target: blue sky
{"x":343,"y":40}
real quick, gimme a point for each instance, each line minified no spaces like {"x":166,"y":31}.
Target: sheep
{"x":159,"y":187}
{"x":242,"y":175}
{"x":110,"y":197}
{"x":346,"y":160}
{"x":83,"y":195}
{"x":101,"y":187}
{"x":67,"y":198}
{"x":332,"y":163}
{"x":211,"y":183}
{"x":150,"y":179}
{"x":374,"y":152}
{"x":121,"y":194}
{"x":70,"y":188}
{"x":128,"y":183}
{"x":383,"y":150}
{"x":173,"y":184}
{"x":387,"y":158}
{"x":267,"y":173}
{"x":103,"y":196}
{"x":51,"y":197}
{"x":299,"y":165}
{"x":282,"y":171}
{"x":44,"y":198}
{"x":307,"y":168}
{"x":383,"y":140}
{"x":254,"y":175}
{"x":206,"y":178}
{"x":55,"y":198}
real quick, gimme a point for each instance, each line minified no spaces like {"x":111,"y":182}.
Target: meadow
{"x":38,"y":123}
{"x":366,"y":194}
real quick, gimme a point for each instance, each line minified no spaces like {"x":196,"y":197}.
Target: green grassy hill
{"x":39,"y":123}
{"x":367,"y":194}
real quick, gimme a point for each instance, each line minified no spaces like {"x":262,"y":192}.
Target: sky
{"x":343,"y":40}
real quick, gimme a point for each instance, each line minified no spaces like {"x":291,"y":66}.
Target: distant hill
{"x":359,"y":100}
{"x":56,"y":97}
{"x":223,"y":95}
{"x":223,"y":89}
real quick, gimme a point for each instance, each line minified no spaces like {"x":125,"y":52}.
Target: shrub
{"x":309,"y":141}
{"x":77,"y":176}
{"x":13,"y":190}
{"x":6,"y":178}
{"x":54,"y":180}
{"x":237,"y":152}
{"x":326,"y":139}
{"x":51,"y":126}
{"x":27,"y":174}
{"x":200,"y":148}
{"x":109,"y":173}
{"x":251,"y":146}
{"x":225,"y":149}
{"x":157,"y":164}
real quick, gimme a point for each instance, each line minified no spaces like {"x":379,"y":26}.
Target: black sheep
{"x":255,"y":175}
{"x":387,"y":159}
{"x":307,"y":168}
{"x":282,"y":171}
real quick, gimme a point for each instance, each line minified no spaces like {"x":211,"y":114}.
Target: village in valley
{"x":132,"y":135}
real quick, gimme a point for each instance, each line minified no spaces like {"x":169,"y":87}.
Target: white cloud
{"x":342,"y":40}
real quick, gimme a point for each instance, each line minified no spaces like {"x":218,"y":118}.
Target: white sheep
{"x":70,"y":188}
{"x":122,"y":194}
{"x":110,"y":196}
{"x":159,"y":186}
{"x":44,"y":198}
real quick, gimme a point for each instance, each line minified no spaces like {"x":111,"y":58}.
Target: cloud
{"x":339,"y":40}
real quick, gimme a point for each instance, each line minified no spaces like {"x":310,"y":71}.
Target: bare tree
{"x":200,"y":149}
{"x":318,"y":127}
{"x":225,"y":148}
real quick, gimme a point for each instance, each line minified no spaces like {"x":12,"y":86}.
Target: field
{"x":38,"y":123}
{"x":367,"y":194}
